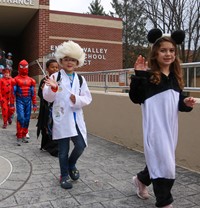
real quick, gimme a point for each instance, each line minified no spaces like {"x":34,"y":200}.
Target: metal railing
{"x":110,"y":79}
{"x":191,"y":76}
{"x":119,"y":80}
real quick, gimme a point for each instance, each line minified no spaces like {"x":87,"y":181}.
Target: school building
{"x":30,"y":30}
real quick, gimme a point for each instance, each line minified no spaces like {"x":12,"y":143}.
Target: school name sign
{"x":19,"y":2}
{"x":91,"y":54}
{"x":94,"y":54}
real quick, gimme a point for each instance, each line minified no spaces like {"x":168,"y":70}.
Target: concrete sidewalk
{"x":106,"y":170}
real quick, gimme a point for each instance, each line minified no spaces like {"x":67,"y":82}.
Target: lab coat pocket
{"x":58,"y":111}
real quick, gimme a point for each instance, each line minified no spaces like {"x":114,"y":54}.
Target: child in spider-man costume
{"x":25,"y":93}
{"x":6,"y":97}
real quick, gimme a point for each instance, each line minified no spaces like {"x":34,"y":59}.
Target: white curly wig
{"x":72,"y":50}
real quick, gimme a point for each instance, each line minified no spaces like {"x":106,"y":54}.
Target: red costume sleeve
{"x":12,"y":97}
{"x":0,"y":92}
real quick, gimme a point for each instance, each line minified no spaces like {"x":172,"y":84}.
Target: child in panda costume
{"x":159,"y":91}
{"x":68,"y":96}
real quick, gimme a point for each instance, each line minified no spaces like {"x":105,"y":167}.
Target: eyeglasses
{"x":69,"y":59}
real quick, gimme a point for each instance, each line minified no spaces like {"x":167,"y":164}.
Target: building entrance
{"x":14,"y":18}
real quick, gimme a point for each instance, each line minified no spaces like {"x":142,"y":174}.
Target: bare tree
{"x":171,"y":15}
{"x":134,"y":28}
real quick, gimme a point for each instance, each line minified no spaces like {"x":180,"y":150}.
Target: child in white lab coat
{"x":68,"y":95}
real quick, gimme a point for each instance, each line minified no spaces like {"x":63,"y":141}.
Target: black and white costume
{"x":160,"y":104}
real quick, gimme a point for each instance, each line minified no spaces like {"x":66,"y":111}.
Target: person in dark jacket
{"x":43,"y":127}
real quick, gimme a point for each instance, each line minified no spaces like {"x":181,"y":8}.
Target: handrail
{"x":107,"y":71}
{"x":192,"y":64}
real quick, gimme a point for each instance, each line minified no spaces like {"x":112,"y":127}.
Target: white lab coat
{"x":62,"y":111}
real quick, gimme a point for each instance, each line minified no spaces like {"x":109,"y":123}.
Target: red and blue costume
{"x":7,"y":97}
{"x":25,"y":94}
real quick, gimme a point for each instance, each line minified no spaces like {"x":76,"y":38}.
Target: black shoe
{"x":74,"y":174}
{"x":65,"y":183}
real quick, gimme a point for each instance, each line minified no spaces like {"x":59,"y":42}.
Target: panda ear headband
{"x":178,"y":36}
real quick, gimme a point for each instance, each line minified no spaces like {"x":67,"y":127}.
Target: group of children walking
{"x":157,"y":86}
{"x":20,"y":93}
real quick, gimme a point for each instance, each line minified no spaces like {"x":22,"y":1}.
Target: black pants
{"x":161,"y":187}
{"x":48,"y":144}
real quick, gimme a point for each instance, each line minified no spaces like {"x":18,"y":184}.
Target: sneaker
{"x":18,"y":142}
{"x":24,"y":140}
{"x":4,"y":126}
{"x":141,"y":189}
{"x":27,"y":136}
{"x":65,"y":183}
{"x":168,"y":206}
{"x":74,"y":174}
{"x":43,"y":150}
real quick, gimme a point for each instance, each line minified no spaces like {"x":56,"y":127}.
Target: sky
{"x":77,"y":6}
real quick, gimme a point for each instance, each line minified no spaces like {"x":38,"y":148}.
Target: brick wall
{"x":41,"y":33}
{"x":100,"y":36}
{"x":108,"y":39}
{"x":36,"y":38}
{"x":44,"y":2}
{"x":85,"y":31}
{"x":112,"y":59}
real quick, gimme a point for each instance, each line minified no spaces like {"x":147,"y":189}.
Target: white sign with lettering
{"x":18,"y":2}
{"x":94,"y":54}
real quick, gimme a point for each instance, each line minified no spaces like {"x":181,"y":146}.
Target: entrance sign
{"x":19,"y":2}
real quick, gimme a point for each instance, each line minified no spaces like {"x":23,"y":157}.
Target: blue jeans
{"x":68,"y":162}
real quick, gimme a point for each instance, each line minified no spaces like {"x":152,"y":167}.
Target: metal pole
{"x":41,"y":68}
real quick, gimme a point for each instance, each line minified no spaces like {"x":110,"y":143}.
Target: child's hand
{"x":141,"y":64}
{"x":73,"y":99}
{"x":51,"y":82}
{"x":190,"y":102}
{"x":34,"y":108}
{"x":42,"y":86}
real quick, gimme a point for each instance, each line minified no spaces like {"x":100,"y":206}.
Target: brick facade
{"x":47,"y":29}
{"x":44,"y":2}
{"x":43,"y":32}
{"x":94,"y":39}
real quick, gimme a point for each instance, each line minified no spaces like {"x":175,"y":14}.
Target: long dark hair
{"x":175,"y":67}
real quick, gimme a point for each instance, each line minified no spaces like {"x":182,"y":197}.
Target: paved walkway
{"x":106,"y":171}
